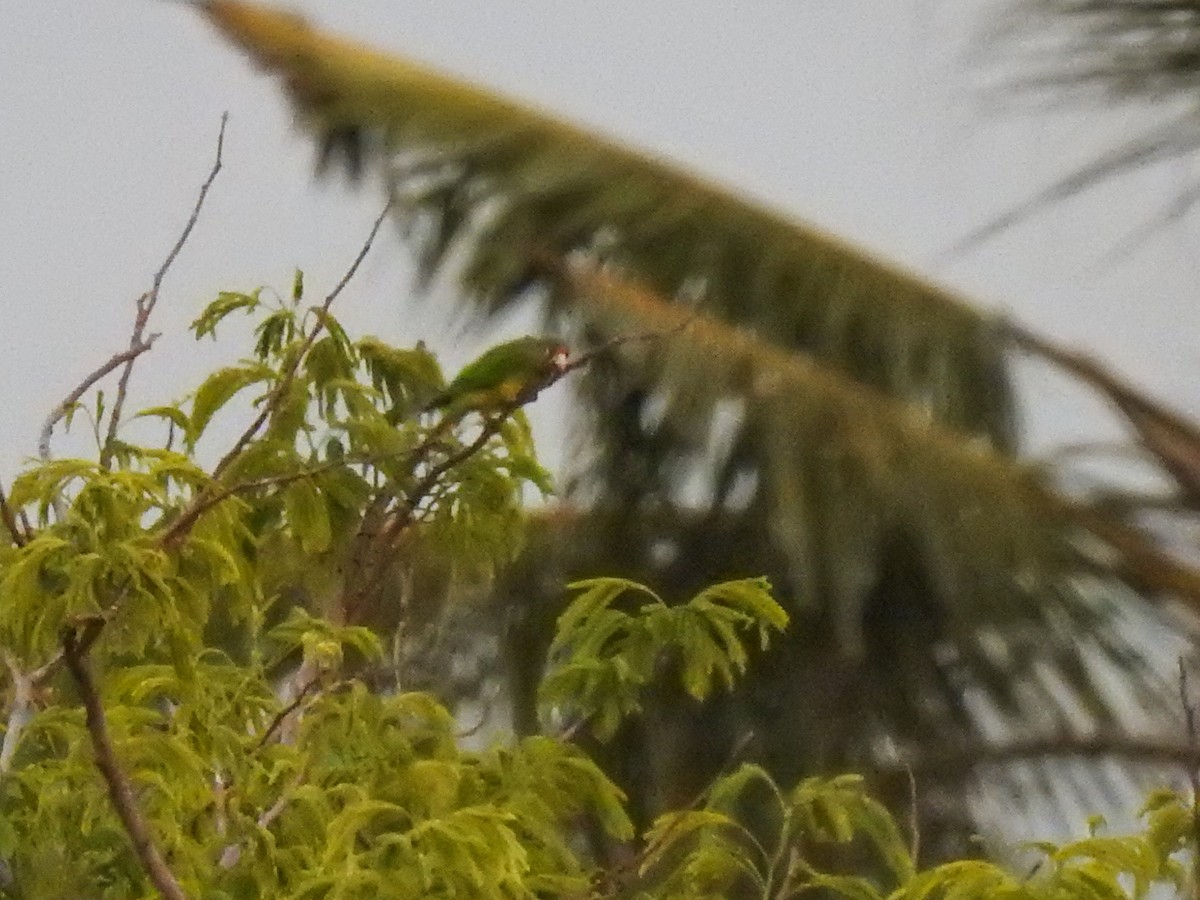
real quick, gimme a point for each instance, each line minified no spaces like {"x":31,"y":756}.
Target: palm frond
{"x":853,"y":424}
{"x":843,"y":470}
{"x":1143,"y":54}
{"x":502,"y":187}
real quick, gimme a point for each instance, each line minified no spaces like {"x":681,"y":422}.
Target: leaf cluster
{"x":603,"y":656}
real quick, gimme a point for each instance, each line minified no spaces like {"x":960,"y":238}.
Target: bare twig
{"x":20,"y":537}
{"x":76,"y":644}
{"x":212,"y":494}
{"x":289,"y":376}
{"x":59,"y":412}
{"x":621,"y":340}
{"x":25,"y":684}
{"x":232,"y":854}
{"x":148,"y":300}
{"x":204,"y":501}
{"x":281,"y":716}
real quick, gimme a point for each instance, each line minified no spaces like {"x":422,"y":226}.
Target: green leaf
{"x":227,"y":302}
{"x":217,"y":390}
{"x":308,"y":515}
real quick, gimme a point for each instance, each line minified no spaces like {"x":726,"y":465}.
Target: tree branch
{"x":148,"y":300}
{"x":25,"y":684}
{"x":211,"y":495}
{"x":76,"y":644}
{"x":289,"y":376}
{"x":364,"y":573}
{"x":59,"y":412}
{"x":232,"y":854}
{"x":281,"y":716}
{"x":187,"y":519}
{"x":19,"y":537}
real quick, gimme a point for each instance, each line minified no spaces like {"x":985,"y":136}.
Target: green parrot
{"x":512,"y":372}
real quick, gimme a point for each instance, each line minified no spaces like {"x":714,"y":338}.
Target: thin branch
{"x":281,"y":716}
{"x":20,"y":715}
{"x":59,"y":412}
{"x":20,"y":537}
{"x":620,"y":341}
{"x":76,"y":644}
{"x":25,"y":685}
{"x":187,"y":519}
{"x":147,"y":302}
{"x":232,"y":854}
{"x":366,"y":571}
{"x":211,"y":496}
{"x":289,"y":376}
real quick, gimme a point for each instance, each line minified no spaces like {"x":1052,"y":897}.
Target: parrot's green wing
{"x":501,"y":374}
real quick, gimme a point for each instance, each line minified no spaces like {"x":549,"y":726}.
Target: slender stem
{"x":125,"y":357}
{"x":147,"y":302}
{"x":19,"y":537}
{"x":76,"y":644}
{"x":20,"y":715}
{"x":281,"y":716}
{"x":290,"y":375}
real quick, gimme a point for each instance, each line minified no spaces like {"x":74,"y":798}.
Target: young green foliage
{"x":603,"y":656}
{"x":247,"y":678}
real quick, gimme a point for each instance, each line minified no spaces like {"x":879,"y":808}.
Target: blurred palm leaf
{"x":823,"y":416}
{"x":512,"y":187}
{"x":1139,"y":54}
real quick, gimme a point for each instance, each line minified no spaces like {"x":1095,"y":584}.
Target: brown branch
{"x":1172,"y":439}
{"x":232,"y":854}
{"x":281,"y":716}
{"x":187,"y":519}
{"x":76,"y":644}
{"x":59,"y":412}
{"x":19,"y":537}
{"x":290,"y":375}
{"x":21,"y":713}
{"x":368,"y":569}
{"x":364,"y":573}
{"x":148,"y":300}
{"x":620,"y":341}
{"x":210,"y":496}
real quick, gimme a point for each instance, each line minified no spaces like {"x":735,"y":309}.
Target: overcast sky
{"x":858,"y":115}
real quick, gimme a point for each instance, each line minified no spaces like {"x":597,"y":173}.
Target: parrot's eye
{"x":559,"y":358}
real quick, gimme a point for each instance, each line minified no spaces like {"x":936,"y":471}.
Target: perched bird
{"x":512,"y":372}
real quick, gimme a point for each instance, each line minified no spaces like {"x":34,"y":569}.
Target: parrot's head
{"x":560,"y":358}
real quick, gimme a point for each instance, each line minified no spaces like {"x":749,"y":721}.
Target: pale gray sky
{"x":857,"y":115}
